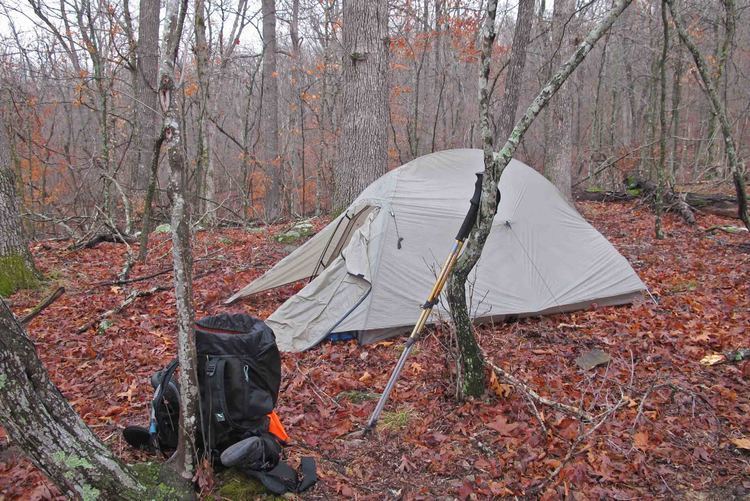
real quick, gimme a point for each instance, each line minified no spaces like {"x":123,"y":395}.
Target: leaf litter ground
{"x":669,"y":428}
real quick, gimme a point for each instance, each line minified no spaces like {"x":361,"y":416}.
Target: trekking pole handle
{"x":471,"y":216}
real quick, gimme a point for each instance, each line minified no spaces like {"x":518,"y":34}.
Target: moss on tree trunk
{"x":16,"y":273}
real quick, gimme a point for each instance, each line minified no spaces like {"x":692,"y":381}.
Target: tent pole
{"x":432,"y":300}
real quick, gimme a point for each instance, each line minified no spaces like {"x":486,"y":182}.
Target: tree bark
{"x":363,"y":144}
{"x":43,"y":424}
{"x":663,"y":129}
{"x":516,"y":66}
{"x":146,"y":100}
{"x":17,"y":269}
{"x":709,"y":88}
{"x":561,"y":156}
{"x":720,"y":58}
{"x":495,"y":162}
{"x":270,"y":115}
{"x":186,"y":456}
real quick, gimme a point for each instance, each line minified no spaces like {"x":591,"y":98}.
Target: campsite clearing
{"x":672,"y":424}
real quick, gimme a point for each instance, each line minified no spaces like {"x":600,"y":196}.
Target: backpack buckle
{"x":211,"y":368}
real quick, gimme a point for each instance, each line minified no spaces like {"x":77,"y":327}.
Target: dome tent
{"x":376,"y":262}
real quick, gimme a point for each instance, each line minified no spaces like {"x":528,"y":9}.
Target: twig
{"x":42,"y":306}
{"x":579,"y":413}
{"x":152,"y":275}
{"x":536,"y":413}
{"x":643,"y":402}
{"x":572,"y":451}
{"x":316,"y":387}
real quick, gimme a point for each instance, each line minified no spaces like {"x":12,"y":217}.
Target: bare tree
{"x":186,"y":456}
{"x":718,"y":108}
{"x":561,"y":109}
{"x":494,"y":164}
{"x":146,"y":119}
{"x":270,"y":112}
{"x":363,"y":144}
{"x":514,"y":79}
{"x":146,"y":126}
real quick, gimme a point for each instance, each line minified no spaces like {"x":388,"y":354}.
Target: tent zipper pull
{"x":395,"y":224}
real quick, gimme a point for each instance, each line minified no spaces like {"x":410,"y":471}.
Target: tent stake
{"x":432,"y":300}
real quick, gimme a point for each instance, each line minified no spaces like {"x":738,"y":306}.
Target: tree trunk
{"x":186,"y":456}
{"x":561,"y":156}
{"x":495,"y":162}
{"x":204,"y":176}
{"x":514,"y":79}
{"x":663,"y":129}
{"x":147,"y":135}
{"x":147,"y":108}
{"x":43,"y":424}
{"x":718,"y":107}
{"x":17,"y":269}
{"x":363,"y":144}
{"x":720,"y":58}
{"x":675,"y":126}
{"x":270,"y":115}
{"x":470,"y":380}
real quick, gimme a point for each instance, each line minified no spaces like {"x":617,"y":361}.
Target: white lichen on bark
{"x":185,"y":458}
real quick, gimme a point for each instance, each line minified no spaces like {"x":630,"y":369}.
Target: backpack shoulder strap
{"x":161,"y":385}
{"x":282,"y":478}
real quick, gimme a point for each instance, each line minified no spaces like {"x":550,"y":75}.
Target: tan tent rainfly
{"x":376,"y":262}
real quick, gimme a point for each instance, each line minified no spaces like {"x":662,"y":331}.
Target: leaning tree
{"x":471,"y":361}
{"x":43,"y":424}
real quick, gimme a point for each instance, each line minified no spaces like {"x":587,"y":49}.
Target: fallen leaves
{"x":435,"y":444}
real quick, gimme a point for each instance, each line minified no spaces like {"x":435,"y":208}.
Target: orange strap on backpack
{"x":276,"y":428}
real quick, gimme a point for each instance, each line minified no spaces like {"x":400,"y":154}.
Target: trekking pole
{"x":432,"y":300}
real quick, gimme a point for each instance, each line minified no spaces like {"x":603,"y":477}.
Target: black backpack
{"x":239,"y":373}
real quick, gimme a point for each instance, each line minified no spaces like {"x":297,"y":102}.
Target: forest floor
{"x":667,"y":426}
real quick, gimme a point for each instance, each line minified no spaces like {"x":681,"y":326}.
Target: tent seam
{"x":533,"y":264}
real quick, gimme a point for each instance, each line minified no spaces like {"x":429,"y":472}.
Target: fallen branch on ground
{"x":127,"y":302}
{"x":682,"y":203}
{"x":152,"y":275}
{"x":568,"y":409}
{"x":104,"y":237}
{"x":130,"y":299}
{"x":41,"y":306}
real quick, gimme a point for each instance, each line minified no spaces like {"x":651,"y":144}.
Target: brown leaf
{"x":501,"y":390}
{"x":741,"y":443}
{"x":640,"y":440}
{"x":502,"y":426}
